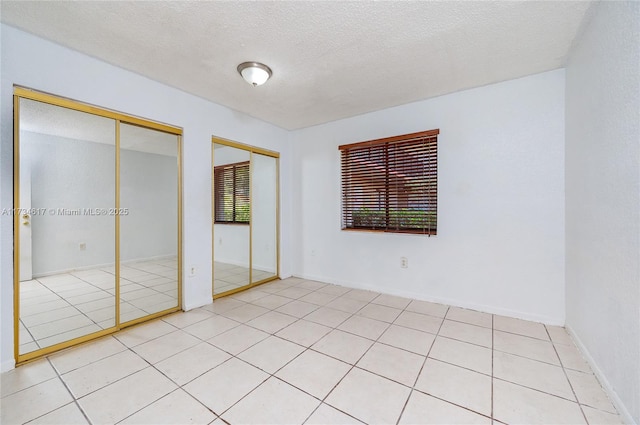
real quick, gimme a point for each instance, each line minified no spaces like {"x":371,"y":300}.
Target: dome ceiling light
{"x":254,"y":73}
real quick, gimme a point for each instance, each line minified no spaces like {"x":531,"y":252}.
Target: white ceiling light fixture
{"x":255,"y":73}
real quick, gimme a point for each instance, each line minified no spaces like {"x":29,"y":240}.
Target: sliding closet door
{"x":97,"y":213}
{"x":245,"y":216}
{"x":264,"y":213}
{"x":65,"y":195}
{"x":149,"y":222}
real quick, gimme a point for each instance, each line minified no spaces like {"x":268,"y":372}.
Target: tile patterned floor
{"x":229,"y":276}
{"x":61,"y":307}
{"x":297,"y":351}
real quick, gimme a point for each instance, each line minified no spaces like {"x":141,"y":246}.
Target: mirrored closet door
{"x":149,"y":224}
{"x":245,"y":216}
{"x":66,"y":176}
{"x":96,"y":222}
{"x":264,"y":226}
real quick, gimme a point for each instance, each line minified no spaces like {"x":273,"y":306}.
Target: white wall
{"x":500,"y":242}
{"x":603,"y":198}
{"x":33,"y":62}
{"x":69,"y":174}
{"x":149,"y":190}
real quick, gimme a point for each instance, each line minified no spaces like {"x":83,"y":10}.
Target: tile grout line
{"x":75,"y":400}
{"x":458,"y":366}
{"x":492,"y":364}
{"x":353,"y":366}
{"x":536,"y":390}
{"x":34,"y":340}
{"x":413,"y":387}
{"x":564,"y":371}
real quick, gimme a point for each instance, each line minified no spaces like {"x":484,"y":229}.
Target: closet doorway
{"x":245,"y":216}
{"x":97,"y":213}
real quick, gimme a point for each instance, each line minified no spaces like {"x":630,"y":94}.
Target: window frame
{"x":219,"y":195}
{"x":390,"y":185}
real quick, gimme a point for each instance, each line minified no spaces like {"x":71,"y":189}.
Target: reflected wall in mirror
{"x":231,"y":210}
{"x":149,"y":172}
{"x":264,"y":232}
{"x":66,"y":256}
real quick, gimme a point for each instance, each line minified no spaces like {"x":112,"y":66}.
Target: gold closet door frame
{"x":20,"y":92}
{"x":252,"y":150}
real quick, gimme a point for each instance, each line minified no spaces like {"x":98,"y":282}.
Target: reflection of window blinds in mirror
{"x":232,"y":204}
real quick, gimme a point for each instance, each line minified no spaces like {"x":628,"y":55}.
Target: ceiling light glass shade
{"x":254,"y":73}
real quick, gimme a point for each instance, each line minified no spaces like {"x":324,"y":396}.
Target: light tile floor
{"x":229,"y":276}
{"x":297,"y":351}
{"x":61,"y":307}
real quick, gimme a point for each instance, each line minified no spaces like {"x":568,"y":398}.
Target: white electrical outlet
{"x":192,"y":271}
{"x":404,"y":262}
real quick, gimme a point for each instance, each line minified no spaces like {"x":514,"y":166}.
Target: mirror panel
{"x":231,"y":227}
{"x":66,"y":228}
{"x":264,"y":213}
{"x":148,"y":211}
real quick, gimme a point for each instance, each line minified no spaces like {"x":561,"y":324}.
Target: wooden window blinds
{"x":391,"y":185}
{"x":231,"y":193}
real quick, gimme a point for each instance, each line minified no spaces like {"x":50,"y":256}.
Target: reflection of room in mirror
{"x":228,"y":277}
{"x":264,"y":215}
{"x":149,"y":230}
{"x":60,"y":307}
{"x":243,"y":243}
{"x":231,"y":250}
{"x":67,"y":252}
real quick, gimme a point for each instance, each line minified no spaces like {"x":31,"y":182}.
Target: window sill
{"x":401,"y":232}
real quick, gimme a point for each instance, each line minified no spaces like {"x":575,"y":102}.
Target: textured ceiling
{"x":330,"y":59}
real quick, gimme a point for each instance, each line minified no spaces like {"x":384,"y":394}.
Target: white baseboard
{"x":440,"y":300}
{"x":7,"y":365}
{"x":99,"y":266}
{"x":233,"y":262}
{"x":197,"y":305}
{"x":613,"y":396}
{"x":156,"y":258}
{"x":76,"y":269}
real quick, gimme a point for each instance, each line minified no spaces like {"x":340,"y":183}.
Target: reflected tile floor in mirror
{"x":61,"y":307}
{"x":302,"y":352}
{"x":229,"y":276}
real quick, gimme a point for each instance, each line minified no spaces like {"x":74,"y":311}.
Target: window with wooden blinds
{"x":231,"y":193}
{"x":391,"y":185}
